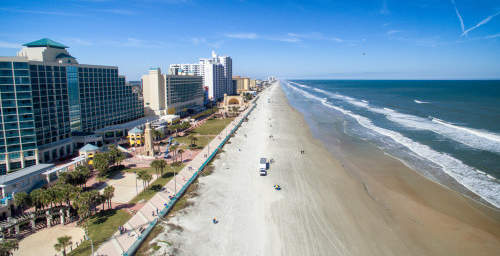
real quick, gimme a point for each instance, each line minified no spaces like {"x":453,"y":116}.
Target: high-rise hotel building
{"x":46,"y":96}
{"x":217,"y":73}
{"x":176,"y":93}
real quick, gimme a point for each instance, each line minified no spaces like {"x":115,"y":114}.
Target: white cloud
{"x":286,"y":39}
{"x":9,"y":45}
{"x":317,"y":36}
{"x":136,"y":43}
{"x":492,"y":36}
{"x":79,"y":41}
{"x":198,"y":40}
{"x":384,"y":10}
{"x":118,"y":11}
{"x":243,"y":35}
{"x":459,"y":16}
{"x":486,"y":20}
{"x":392,"y":32}
{"x":40,"y":12}
{"x":335,"y":39}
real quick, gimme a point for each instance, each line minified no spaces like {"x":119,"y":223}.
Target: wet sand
{"x":356,"y":201}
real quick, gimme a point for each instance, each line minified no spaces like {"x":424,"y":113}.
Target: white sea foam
{"x":300,"y":85}
{"x":473,"y":138}
{"x":420,"y":102}
{"x":484,"y":186}
{"x":483,"y":134}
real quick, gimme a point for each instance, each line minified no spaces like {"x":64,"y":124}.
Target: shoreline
{"x":330,"y":204}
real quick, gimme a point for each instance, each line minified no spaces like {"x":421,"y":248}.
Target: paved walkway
{"x":120,"y":243}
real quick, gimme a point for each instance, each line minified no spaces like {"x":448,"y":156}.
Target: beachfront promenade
{"x":158,"y":206}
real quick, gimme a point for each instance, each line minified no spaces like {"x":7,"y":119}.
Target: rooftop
{"x":88,"y":148}
{"x":127,"y":126}
{"x":45,"y":42}
{"x":21,"y":174}
{"x":135,"y":130}
{"x":64,"y":55}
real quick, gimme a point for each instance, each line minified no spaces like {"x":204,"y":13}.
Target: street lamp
{"x":175,"y":183}
{"x":88,"y":237}
{"x":136,"y":191}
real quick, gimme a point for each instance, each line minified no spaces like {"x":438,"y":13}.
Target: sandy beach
{"x":353,"y":201}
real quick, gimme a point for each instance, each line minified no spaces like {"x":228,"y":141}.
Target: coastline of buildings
{"x":50,"y":106}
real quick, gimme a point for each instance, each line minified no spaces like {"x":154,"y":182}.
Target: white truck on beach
{"x":263,"y":166}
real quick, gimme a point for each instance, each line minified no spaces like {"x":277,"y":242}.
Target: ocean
{"x":442,"y":129}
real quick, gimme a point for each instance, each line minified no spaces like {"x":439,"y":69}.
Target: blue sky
{"x":419,"y":39}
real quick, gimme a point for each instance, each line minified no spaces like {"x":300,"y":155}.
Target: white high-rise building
{"x":217,"y":73}
{"x":192,"y":69}
{"x":227,"y":63}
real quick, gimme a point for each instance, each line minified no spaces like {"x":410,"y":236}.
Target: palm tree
{"x":156,"y":134}
{"x":84,"y":204}
{"x":62,"y":243}
{"x":191,"y":137}
{"x":155,"y":164}
{"x":22,"y":200}
{"x":119,"y":159}
{"x":142,"y":176}
{"x":180,"y":151}
{"x":173,"y":149}
{"x":46,"y":198}
{"x":73,"y":194}
{"x":101,"y":162}
{"x":37,"y":198}
{"x":162,"y":164}
{"x":109,"y":192}
{"x":94,"y":199}
{"x":7,"y":246}
{"x":147,"y":178}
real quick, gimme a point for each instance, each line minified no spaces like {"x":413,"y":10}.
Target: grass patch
{"x":212,"y":126}
{"x":154,"y":187}
{"x":200,"y":143}
{"x":147,"y":169}
{"x":209,"y":169}
{"x":101,"y":227}
{"x":183,"y":201}
{"x":146,"y":246}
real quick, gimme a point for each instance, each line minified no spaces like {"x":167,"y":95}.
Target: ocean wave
{"x":473,"y":138}
{"x":420,"y":102}
{"x":479,"y":133}
{"x":468,"y":176}
{"x":300,"y":85}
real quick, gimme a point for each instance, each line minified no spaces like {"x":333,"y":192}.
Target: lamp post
{"x":136,"y":191}
{"x":88,"y":237}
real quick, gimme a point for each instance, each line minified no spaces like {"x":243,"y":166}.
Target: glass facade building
{"x":104,"y":99}
{"x":17,"y":137}
{"x":46,"y":96}
{"x":184,"y":94}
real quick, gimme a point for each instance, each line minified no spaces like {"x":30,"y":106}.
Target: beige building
{"x":178,"y":94}
{"x":153,"y":91}
{"x":242,"y":84}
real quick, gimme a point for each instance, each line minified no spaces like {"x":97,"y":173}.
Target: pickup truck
{"x":263,"y":166}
